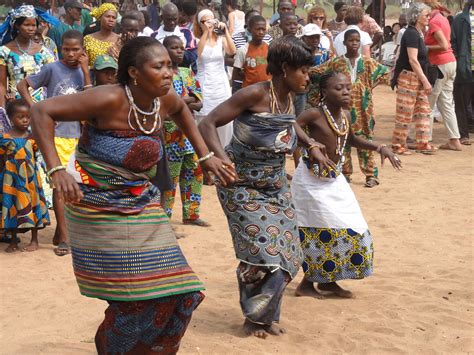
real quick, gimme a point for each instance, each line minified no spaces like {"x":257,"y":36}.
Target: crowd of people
{"x":107,"y":111}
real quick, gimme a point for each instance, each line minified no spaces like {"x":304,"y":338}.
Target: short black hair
{"x":249,"y":13}
{"x":13,"y":105}
{"x":338,"y":5}
{"x":289,"y":50}
{"x":284,"y":1}
{"x":286,"y":16}
{"x":190,"y":7}
{"x":129,"y":17}
{"x":324,"y":81}
{"x":350,"y":32}
{"x":134,"y":53}
{"x":73,"y":34}
{"x":255,"y":19}
{"x":167,"y":41}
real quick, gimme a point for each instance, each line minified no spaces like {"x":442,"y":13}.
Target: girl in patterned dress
{"x":182,"y":159}
{"x":22,"y":199}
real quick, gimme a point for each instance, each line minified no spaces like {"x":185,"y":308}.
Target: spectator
{"x":413,"y":85}
{"x":236,"y":17}
{"x":105,"y":70}
{"x":353,"y":19}
{"x":250,"y":65}
{"x":71,"y":18}
{"x":241,"y":38}
{"x":98,"y":43}
{"x":187,"y":14}
{"x":317,"y":15}
{"x":147,"y":30}
{"x":130,"y":28}
{"x":462,"y":43}
{"x":396,"y":27}
{"x":211,"y":72}
{"x":170,"y":28}
{"x":338,"y":25}
{"x":21,"y":56}
{"x":284,"y":7}
{"x":440,"y":53}
{"x":387,"y":34}
{"x":371,"y":26}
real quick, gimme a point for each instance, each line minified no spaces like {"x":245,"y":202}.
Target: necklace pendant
{"x":144,"y":120}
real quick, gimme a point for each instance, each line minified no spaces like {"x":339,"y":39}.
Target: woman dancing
{"x":258,"y":206}
{"x":123,"y":248}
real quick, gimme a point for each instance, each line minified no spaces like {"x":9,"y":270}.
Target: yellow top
{"x":95,"y":47}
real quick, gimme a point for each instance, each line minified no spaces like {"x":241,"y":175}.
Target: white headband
{"x":205,"y":12}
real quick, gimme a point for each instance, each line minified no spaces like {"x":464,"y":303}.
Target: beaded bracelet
{"x":53,"y":170}
{"x":206,"y":157}
{"x":312,"y":146}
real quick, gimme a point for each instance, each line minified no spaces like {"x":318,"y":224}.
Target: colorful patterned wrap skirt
{"x":122,"y":244}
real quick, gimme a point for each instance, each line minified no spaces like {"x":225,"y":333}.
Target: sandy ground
{"x":419,"y":300}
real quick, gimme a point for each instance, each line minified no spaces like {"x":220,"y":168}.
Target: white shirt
{"x":341,"y":49}
{"x":147,"y":31}
{"x":400,"y":34}
{"x":162,"y":34}
{"x":325,"y":43}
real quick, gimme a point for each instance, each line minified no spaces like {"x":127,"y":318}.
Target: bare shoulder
{"x":310,"y":116}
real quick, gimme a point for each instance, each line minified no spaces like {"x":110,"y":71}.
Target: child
{"x":23,"y":202}
{"x":181,"y":156}
{"x":334,"y":235}
{"x":68,"y":76}
{"x":105,"y":70}
{"x":365,"y":73}
{"x":289,"y":24}
{"x":250,"y":64}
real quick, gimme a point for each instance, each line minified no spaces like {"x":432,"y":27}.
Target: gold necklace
{"x":275,"y":105}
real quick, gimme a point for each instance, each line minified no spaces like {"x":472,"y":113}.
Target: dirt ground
{"x":419,"y":300}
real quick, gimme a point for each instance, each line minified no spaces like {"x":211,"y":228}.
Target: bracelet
{"x":87,"y":86}
{"x":380,"y":147}
{"x":53,"y":170}
{"x":206,"y":157}
{"x":312,"y":146}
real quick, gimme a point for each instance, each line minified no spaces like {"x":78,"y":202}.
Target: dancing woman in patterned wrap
{"x":259,"y":206}
{"x":123,"y":248}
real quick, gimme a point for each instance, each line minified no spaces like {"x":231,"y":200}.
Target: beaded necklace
{"x":341,"y":131}
{"x":134,"y":108}
{"x":275,"y":105}
{"x":21,"y":49}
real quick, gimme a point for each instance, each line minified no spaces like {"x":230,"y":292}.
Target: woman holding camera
{"x":214,"y":40}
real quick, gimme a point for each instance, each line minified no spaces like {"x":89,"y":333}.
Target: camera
{"x":217,"y":30}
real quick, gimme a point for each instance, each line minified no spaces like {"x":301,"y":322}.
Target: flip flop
{"x":427,"y":151}
{"x":446,"y":146}
{"x":465,"y":141}
{"x":62,"y":249}
{"x":196,"y":222}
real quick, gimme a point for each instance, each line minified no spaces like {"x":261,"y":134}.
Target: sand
{"x":419,"y":300}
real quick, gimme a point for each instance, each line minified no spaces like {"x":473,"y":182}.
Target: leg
{"x":13,"y":246}
{"x":190,"y":185}
{"x":446,"y":107}
{"x":60,"y":234}
{"x":368,"y":166}
{"x":306,"y":289}
{"x":421,"y":116}
{"x":175,"y":164}
{"x":433,"y":100}
{"x":406,"y":99}
{"x":462,"y":105}
{"x":34,"y":241}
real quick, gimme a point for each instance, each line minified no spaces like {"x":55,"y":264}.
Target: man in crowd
{"x":284,"y":7}
{"x":462,"y":42}
{"x":338,"y":25}
{"x":71,"y":18}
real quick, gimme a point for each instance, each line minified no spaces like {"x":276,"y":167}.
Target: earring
{"x":135,"y":81}
{"x":284,"y":75}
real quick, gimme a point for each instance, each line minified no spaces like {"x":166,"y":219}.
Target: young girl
{"x":334,"y":236}
{"x":182,"y":158}
{"x":364,"y":73}
{"x":23,"y":201}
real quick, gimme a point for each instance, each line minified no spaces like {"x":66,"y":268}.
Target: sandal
{"x":400,"y":150}
{"x":465,"y":141}
{"x":371,"y":181}
{"x":196,"y":222}
{"x":62,"y":249}
{"x":426,"y":149}
{"x":446,"y":146}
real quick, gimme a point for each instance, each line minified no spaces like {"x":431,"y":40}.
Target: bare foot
{"x":12,"y":248}
{"x":257,"y":330}
{"x":33,"y":246}
{"x":275,"y":329}
{"x":56,"y":237}
{"x":336,"y":289}
{"x":306,"y":289}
